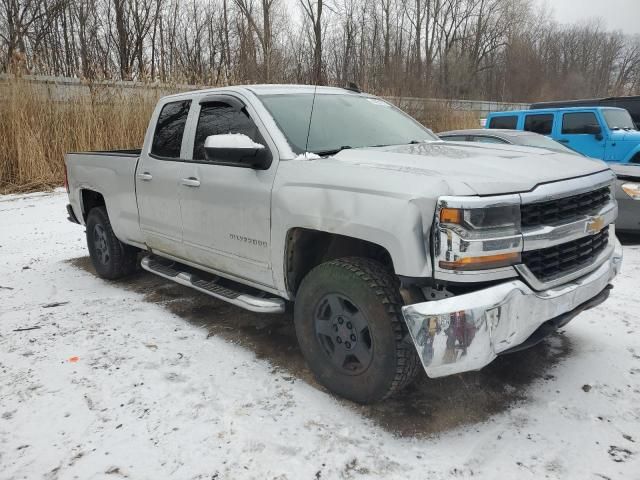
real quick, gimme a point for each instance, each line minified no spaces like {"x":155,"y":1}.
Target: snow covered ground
{"x":145,"y":379}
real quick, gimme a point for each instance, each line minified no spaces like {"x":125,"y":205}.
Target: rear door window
{"x":507,"y":122}
{"x":455,"y":138}
{"x":542,"y":124}
{"x":167,"y":139}
{"x":483,"y":139}
{"x":578,"y":123}
{"x":218,"y":118}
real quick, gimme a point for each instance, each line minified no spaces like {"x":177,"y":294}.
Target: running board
{"x":171,"y":271}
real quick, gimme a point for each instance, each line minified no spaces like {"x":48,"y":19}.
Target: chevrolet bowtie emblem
{"x":594,"y":224}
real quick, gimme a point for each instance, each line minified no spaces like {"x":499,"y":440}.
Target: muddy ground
{"x":427,"y":407}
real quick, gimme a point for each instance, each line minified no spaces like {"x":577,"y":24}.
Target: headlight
{"x":476,"y":222}
{"x":632,"y":189}
{"x":473,"y":238}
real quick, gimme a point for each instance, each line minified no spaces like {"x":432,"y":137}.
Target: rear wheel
{"x":351,"y":332}
{"x":111,"y":258}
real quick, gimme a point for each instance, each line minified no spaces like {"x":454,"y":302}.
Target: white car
{"x":506,"y":137}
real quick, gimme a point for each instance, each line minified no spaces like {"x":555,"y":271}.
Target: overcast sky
{"x":617,"y":14}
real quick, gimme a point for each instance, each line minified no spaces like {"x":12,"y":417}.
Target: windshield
{"x":341,"y":121}
{"x":540,"y":141}
{"x":618,"y":119}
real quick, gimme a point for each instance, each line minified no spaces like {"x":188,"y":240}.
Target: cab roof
{"x":271,"y":89}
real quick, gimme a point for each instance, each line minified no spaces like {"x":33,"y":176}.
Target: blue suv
{"x":599,"y":132}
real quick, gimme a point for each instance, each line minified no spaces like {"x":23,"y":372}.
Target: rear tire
{"x":351,"y":331}
{"x":111,"y":258}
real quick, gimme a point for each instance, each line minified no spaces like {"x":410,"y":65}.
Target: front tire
{"x":351,"y":331}
{"x":111,"y":258}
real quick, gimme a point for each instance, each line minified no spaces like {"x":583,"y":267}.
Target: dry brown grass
{"x":438,"y":116}
{"x":37,"y":127}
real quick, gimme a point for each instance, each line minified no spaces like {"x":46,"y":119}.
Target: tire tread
{"x":124,"y":257}
{"x":385,"y":286}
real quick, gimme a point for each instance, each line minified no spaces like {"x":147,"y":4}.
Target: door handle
{"x":191,"y":182}
{"x":563,"y":140}
{"x":145,"y":176}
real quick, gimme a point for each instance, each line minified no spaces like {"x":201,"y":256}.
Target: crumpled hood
{"x":485,"y":169}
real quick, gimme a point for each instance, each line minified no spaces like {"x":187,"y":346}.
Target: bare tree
{"x":19,"y":18}
{"x":498,"y":49}
{"x":313,"y":11}
{"x":262,"y":29}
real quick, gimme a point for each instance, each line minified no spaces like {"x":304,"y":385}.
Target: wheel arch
{"x":90,"y":199}
{"x":633,"y":156}
{"x":307,"y":248}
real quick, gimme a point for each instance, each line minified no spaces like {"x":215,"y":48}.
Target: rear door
{"x":575,"y":133}
{"x":157,"y":180}
{"x":226,"y":210}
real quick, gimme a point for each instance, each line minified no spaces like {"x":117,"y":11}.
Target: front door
{"x":226,"y":210}
{"x":577,"y":133}
{"x":157,"y":181}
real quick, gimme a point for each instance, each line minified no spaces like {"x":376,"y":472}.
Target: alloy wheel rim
{"x":343,"y":333}
{"x":100,"y":244}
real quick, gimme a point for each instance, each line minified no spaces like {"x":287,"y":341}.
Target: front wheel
{"x":111,"y":258}
{"x":351,"y":332}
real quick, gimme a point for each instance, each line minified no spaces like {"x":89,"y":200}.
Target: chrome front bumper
{"x":469,"y":331}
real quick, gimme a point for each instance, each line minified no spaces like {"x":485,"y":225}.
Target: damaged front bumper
{"x":467,"y":332}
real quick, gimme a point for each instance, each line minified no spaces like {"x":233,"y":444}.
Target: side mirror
{"x":238,"y":150}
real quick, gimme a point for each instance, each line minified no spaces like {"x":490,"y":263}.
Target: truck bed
{"x":112,"y":175}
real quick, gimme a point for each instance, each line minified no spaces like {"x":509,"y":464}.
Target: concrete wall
{"x":65,"y":89}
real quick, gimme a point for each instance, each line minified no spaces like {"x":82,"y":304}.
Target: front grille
{"x":563,"y":209}
{"x":553,"y":262}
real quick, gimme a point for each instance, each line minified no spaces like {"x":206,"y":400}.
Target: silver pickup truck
{"x":395,"y":248}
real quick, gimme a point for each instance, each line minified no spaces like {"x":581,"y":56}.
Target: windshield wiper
{"x":328,"y":153}
{"x":412,"y":142}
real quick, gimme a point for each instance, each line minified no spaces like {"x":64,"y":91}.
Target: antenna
{"x":315,"y":89}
